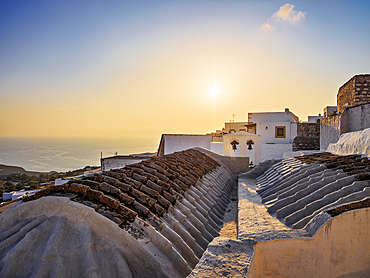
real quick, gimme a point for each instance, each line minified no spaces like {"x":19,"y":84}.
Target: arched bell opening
{"x":234,"y":148}
{"x":250,"y":153}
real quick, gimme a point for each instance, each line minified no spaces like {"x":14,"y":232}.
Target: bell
{"x":233,"y":144}
{"x":250,"y":143}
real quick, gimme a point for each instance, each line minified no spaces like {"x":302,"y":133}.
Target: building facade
{"x":270,"y":133}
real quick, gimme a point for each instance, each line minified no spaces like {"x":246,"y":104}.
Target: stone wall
{"x":310,"y":130}
{"x":308,"y":137}
{"x":305,"y":143}
{"x":352,"y":119}
{"x":345,"y":95}
{"x":354,"y":92}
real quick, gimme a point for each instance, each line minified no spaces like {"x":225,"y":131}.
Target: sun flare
{"x":214,"y":91}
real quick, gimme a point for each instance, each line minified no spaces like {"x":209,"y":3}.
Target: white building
{"x":171,"y":143}
{"x":243,"y":144}
{"x":271,"y":133}
{"x":314,"y":119}
{"x":277,"y":131}
{"x":329,"y":111}
{"x":14,"y":195}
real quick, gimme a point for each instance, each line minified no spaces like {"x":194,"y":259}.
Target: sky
{"x":144,"y":68}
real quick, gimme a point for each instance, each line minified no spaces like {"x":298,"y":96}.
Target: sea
{"x":64,"y":154}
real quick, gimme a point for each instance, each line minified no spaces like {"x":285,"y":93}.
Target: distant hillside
{"x":6,"y":170}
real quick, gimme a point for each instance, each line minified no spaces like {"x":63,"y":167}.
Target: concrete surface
{"x":253,"y":217}
{"x":337,"y":250}
{"x":54,"y":236}
{"x":224,"y":258}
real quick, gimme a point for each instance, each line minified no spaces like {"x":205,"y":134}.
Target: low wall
{"x":337,"y":250}
{"x":305,"y":143}
{"x":274,"y":151}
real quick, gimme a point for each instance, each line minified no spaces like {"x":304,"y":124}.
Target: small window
{"x":279,"y":131}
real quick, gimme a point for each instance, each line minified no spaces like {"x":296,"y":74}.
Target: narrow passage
{"x":230,"y":227}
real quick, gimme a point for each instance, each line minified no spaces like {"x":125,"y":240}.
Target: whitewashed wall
{"x":269,"y":151}
{"x":217,"y":147}
{"x":175,"y":143}
{"x":352,"y":142}
{"x":268,"y":135}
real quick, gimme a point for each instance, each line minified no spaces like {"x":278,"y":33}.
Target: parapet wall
{"x":337,"y":249}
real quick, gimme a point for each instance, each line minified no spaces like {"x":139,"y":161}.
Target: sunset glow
{"x":75,"y":68}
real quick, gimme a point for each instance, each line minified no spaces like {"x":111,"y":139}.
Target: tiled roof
{"x":144,"y":188}
{"x":187,"y":188}
{"x":296,"y":190}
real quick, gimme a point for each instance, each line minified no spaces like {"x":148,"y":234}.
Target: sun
{"x":214,"y":91}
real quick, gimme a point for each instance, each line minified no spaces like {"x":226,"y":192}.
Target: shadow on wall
{"x":330,"y":130}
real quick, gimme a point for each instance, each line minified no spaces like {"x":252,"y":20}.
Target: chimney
{"x":287,"y":110}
